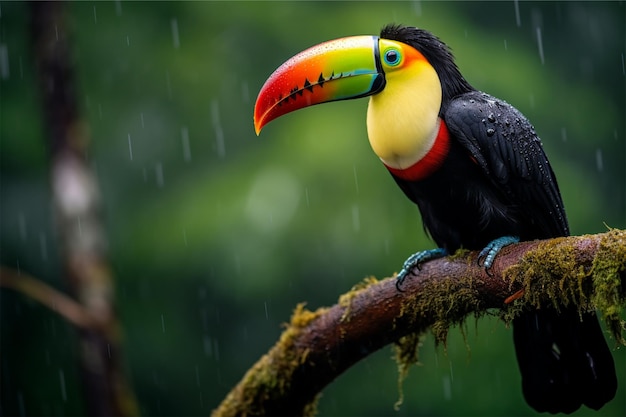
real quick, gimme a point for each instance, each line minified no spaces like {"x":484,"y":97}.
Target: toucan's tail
{"x":564,"y":360}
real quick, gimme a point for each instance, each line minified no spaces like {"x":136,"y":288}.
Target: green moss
{"x":460,"y":254}
{"x":345,"y":300}
{"x":406,"y":354}
{"x":447,"y":302}
{"x":553,"y":275}
{"x":609,"y":279}
{"x":270,"y":376}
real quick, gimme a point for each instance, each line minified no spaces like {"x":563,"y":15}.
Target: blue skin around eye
{"x":392,"y":57}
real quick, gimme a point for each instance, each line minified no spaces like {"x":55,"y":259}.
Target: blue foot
{"x":416,"y":260}
{"x":488,"y":254}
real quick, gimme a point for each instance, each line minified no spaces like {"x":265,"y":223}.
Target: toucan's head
{"x":408,"y":72}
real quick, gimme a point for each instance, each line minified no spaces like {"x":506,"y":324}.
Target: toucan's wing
{"x":504,"y":144}
{"x":563,"y":359}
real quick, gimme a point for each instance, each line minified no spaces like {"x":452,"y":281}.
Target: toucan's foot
{"x":416,"y":260}
{"x":489,"y":252}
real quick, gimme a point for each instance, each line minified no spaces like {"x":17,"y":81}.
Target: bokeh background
{"x":215,"y":234}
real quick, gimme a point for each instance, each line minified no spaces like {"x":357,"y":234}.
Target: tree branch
{"x":316,"y":347}
{"x":55,"y":300}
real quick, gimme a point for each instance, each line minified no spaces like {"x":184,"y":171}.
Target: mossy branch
{"x":316,"y":347}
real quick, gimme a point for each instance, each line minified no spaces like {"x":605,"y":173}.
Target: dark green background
{"x":213,"y":245}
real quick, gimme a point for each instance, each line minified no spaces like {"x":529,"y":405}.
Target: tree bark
{"x":316,"y":347}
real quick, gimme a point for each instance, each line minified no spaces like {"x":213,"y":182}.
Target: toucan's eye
{"x":392,"y":57}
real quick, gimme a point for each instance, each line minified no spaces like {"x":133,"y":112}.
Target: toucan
{"x":475,"y":168}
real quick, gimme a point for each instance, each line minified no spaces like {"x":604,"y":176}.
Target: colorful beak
{"x":335,"y":70}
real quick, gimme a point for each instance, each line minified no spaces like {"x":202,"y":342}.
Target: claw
{"x":415,"y":261}
{"x":489,"y":252}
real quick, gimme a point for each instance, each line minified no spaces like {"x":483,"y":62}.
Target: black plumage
{"x":496,"y":181}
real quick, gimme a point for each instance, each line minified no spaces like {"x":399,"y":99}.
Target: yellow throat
{"x":403,"y":119}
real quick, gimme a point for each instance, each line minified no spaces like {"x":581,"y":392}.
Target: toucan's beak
{"x":335,"y":70}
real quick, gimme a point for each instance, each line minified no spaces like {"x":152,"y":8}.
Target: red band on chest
{"x":431,"y":161}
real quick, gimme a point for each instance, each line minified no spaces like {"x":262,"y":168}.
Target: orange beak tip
{"x":258,"y":126}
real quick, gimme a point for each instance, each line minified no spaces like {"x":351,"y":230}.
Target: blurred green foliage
{"x":215,"y":234}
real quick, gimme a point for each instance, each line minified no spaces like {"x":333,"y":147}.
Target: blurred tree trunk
{"x":77,"y":209}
